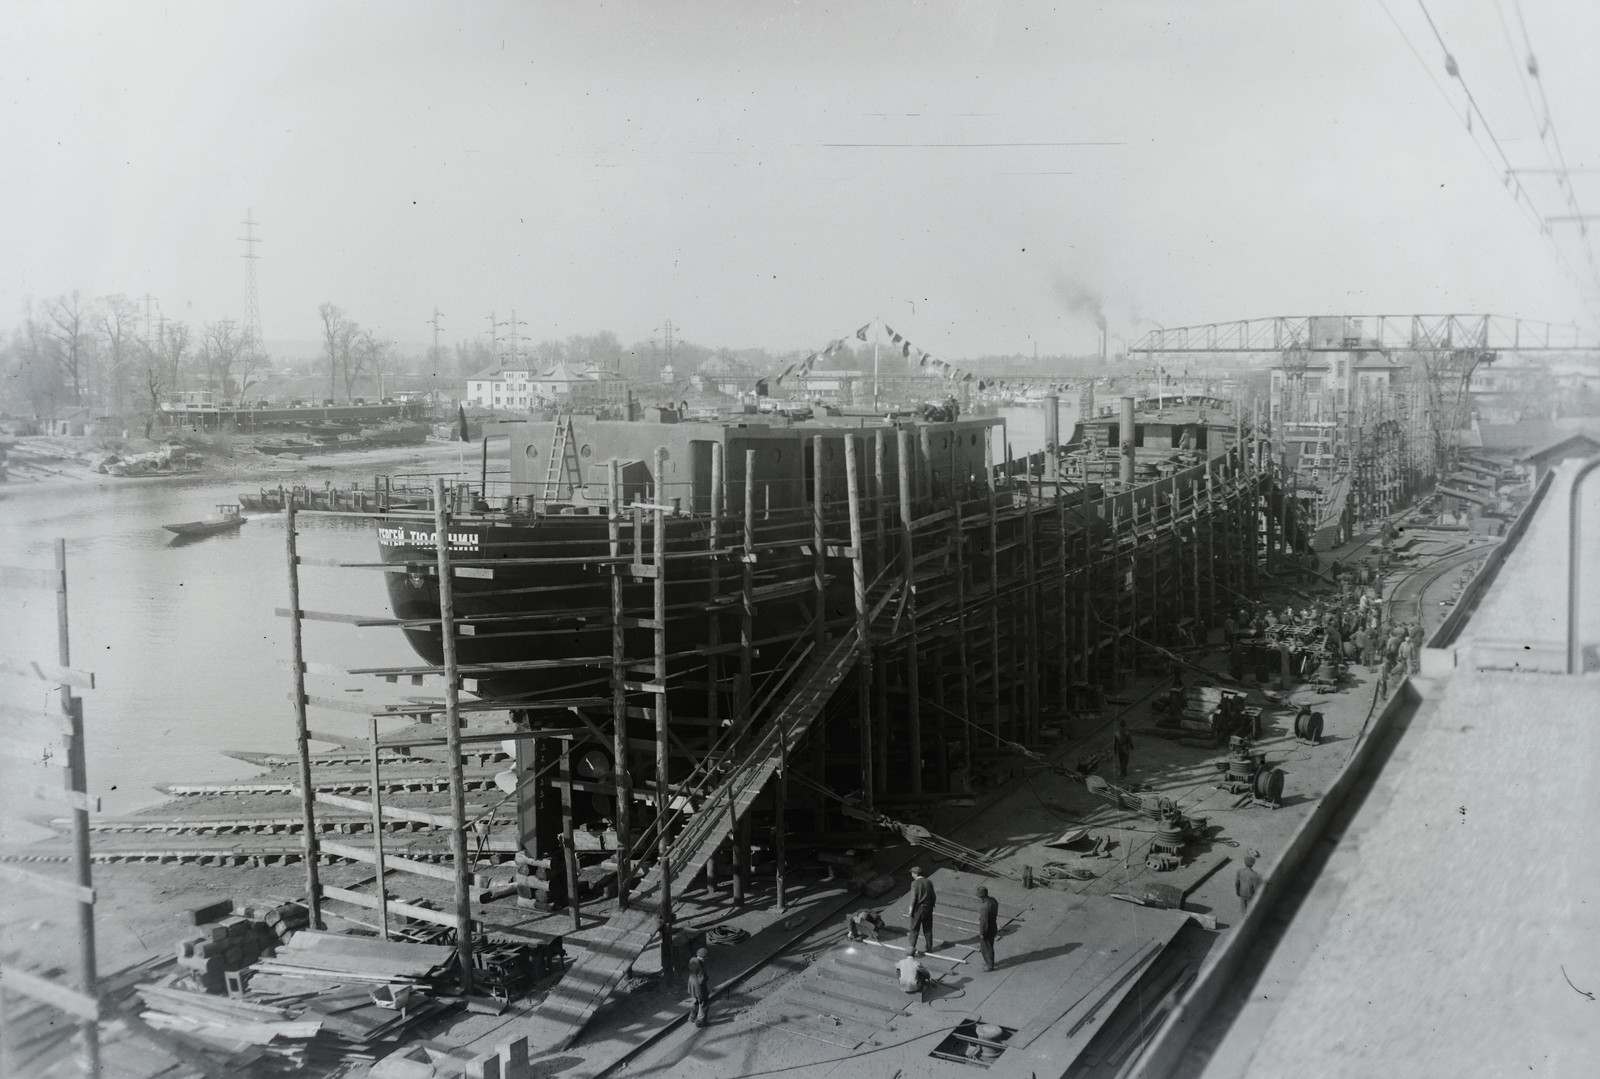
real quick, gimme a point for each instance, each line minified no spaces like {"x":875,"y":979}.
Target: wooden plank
{"x":390,"y":861}
{"x":361,"y":899}
{"x":336,"y":705}
{"x":28,"y":577}
{"x":438,"y":820}
{"x":47,"y":672}
{"x":54,"y":722}
{"x":323,"y":616}
{"x":59,"y":997}
{"x":54,"y":885}
{"x":64,"y":796}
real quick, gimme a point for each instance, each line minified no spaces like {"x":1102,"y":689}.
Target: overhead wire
{"x":1504,"y":171}
{"x":1548,"y":136}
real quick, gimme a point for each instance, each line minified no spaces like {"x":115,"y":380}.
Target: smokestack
{"x":1104,"y":334}
{"x":1125,"y":430}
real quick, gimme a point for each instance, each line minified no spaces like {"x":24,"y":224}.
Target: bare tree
{"x":67,"y":323}
{"x":338,"y":340}
{"x":152,"y":373}
{"x":376,"y":357}
{"x":174,"y":345}
{"x":115,"y":317}
{"x":222,"y":348}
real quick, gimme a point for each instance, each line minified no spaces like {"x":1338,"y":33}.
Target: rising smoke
{"x":1080,"y":299}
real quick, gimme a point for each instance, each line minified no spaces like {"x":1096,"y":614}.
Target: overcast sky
{"x":778,"y":174}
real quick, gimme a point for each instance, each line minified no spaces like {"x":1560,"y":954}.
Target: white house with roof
{"x":560,"y":386}
{"x":500,"y":387}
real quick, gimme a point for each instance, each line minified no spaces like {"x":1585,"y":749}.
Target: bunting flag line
{"x":900,"y":342}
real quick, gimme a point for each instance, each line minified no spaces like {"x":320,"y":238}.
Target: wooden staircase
{"x":614,"y":948}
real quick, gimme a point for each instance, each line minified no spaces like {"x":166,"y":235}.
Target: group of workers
{"x":1350,"y":629}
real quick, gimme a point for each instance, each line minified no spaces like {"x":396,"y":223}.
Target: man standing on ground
{"x":988,"y":926}
{"x":699,"y":989}
{"x":1247,"y":883}
{"x":921,"y":912}
{"x":1122,"y":744}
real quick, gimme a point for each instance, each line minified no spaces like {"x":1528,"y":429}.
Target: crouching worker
{"x":914,"y":977}
{"x":864,"y":925}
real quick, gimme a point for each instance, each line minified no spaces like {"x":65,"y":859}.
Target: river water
{"x":181,"y":635}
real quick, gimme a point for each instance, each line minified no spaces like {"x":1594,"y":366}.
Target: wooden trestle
{"x":978,"y":611}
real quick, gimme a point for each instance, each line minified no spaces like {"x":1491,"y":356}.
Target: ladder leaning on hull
{"x":563,"y":468}
{"x":607,"y":957}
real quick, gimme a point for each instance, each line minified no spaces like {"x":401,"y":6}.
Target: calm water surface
{"x":181,"y":634}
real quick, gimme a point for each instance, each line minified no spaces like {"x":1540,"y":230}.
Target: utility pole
{"x":494,"y":339}
{"x":516,"y":339}
{"x":438,"y":317}
{"x":252,"y":307}
{"x":666,"y":330}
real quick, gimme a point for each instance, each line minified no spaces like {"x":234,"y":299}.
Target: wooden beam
{"x":54,"y":885}
{"x":59,"y":997}
{"x":409,"y":910}
{"x":47,"y":672}
{"x":390,"y":861}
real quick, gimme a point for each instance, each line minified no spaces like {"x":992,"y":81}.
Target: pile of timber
{"x":323,"y":1001}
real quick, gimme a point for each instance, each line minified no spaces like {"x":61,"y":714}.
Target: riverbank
{"x":53,"y":462}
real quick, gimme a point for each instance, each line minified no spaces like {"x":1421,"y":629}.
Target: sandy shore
{"x":42,"y":463}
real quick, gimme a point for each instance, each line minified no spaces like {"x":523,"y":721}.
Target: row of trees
{"x":100,"y":353}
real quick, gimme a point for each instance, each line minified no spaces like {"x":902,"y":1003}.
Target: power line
{"x":1519,"y":193}
{"x":1547,"y":127}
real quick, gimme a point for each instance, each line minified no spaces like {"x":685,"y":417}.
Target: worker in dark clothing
{"x":1247,"y":883}
{"x":1122,"y":744}
{"x":699,"y":989}
{"x":988,"y":926}
{"x":921,"y":912}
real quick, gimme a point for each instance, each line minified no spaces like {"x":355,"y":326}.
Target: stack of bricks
{"x":255,"y":930}
{"x":231,"y":944}
{"x":281,"y":918}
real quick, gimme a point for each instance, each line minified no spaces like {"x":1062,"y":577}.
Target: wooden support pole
{"x":858,"y":576}
{"x":747,"y":607}
{"x":819,"y":540}
{"x":619,"y":693}
{"x":1030,"y":613}
{"x":78,"y":781}
{"x":908,"y":574}
{"x":569,"y":844}
{"x":377,"y":829}
{"x":880,"y":488}
{"x":994,"y":598}
{"x":663,"y":759}
{"x":1062,"y":595}
{"x":308,"y":813}
{"x":958,"y":542}
{"x":714,"y":589}
{"x":452,"y":733}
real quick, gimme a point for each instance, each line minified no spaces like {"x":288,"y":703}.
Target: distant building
{"x":559,"y":386}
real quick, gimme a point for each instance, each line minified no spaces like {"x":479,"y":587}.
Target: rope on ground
{"x":726,"y":934}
